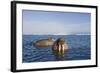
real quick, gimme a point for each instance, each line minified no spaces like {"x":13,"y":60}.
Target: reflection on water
{"x":59,"y":56}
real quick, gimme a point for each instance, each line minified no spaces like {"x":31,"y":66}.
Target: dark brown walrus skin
{"x":44,"y":42}
{"x":60,"y":47}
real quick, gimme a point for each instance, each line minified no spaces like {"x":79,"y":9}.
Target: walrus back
{"x":44,"y":43}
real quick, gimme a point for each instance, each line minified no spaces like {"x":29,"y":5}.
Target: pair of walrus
{"x":58,"y":47}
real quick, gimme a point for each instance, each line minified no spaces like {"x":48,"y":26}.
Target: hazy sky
{"x":43,"y":22}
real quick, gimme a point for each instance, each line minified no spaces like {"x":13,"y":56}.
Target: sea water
{"x":79,"y":48}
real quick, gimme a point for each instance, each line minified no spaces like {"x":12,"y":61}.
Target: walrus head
{"x":61,"y":40}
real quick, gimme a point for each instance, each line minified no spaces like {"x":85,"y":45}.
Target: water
{"x":79,"y":48}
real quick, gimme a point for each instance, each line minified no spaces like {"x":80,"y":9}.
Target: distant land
{"x":56,"y":34}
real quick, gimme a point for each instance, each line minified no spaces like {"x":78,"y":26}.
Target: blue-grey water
{"x":79,"y":48}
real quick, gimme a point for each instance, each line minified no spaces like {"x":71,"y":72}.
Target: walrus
{"x":60,"y":47}
{"x":44,"y":42}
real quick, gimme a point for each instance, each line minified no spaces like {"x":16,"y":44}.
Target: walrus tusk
{"x":59,"y":47}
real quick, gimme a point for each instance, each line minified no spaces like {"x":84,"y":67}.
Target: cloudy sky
{"x":55,"y":23}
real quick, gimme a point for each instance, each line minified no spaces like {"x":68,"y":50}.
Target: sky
{"x":55,"y":23}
